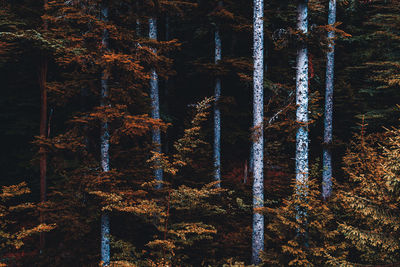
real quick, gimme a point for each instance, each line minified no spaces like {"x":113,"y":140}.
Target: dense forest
{"x":200,"y":133}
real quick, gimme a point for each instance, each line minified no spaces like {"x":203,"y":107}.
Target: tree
{"x":15,"y":226}
{"x":155,"y":103}
{"x":286,"y":231}
{"x":258,"y":137}
{"x":302,"y":94}
{"x":330,"y":66}
{"x":104,"y":143}
{"x":98,"y":52}
{"x":368,"y":204}
{"x":217,"y":112}
{"x":43,"y":127}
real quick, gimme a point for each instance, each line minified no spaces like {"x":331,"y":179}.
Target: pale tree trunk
{"x":43,"y":131}
{"x":258,"y":134}
{"x":302,"y":113}
{"x":104,"y":149}
{"x":302,"y":97}
{"x":155,"y":104}
{"x":330,"y":66}
{"x":217,"y":112}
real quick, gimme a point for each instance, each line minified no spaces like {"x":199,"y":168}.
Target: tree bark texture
{"x":258,"y":139}
{"x":302,"y":97}
{"x":104,"y":149}
{"x":155,"y":103}
{"x":330,"y":67}
{"x":217,"y":112}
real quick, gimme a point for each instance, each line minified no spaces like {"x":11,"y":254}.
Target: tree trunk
{"x":43,"y":134}
{"x":302,"y":97}
{"x":155,"y":104}
{"x":217,"y":112}
{"x":104,"y":149}
{"x":330,"y":66}
{"x":258,"y":139}
{"x":302,"y":113}
{"x":167,"y":86}
{"x":43,"y":131}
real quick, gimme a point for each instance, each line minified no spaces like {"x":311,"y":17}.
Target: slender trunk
{"x":217,"y":112}
{"x":330,"y":66}
{"x":43,"y":131}
{"x":43,"y":134}
{"x":302,"y":114}
{"x":258,"y":135}
{"x":302,"y":98}
{"x":166,"y":86}
{"x":155,"y":104}
{"x":104,"y":149}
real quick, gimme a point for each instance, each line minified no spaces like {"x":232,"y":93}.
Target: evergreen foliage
{"x":368,"y":204}
{"x":190,"y":221}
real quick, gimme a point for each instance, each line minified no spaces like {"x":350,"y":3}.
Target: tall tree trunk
{"x":302,"y":97}
{"x":43,"y":134}
{"x":258,"y":134}
{"x":167,"y":86}
{"x":302,"y":107}
{"x":155,"y":103}
{"x":104,"y":148}
{"x":217,"y":112}
{"x":43,"y":130}
{"x":330,"y":66}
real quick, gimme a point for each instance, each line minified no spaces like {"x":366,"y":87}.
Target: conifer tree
{"x":330,"y":66}
{"x":217,"y":112}
{"x":13,"y":234}
{"x":103,"y":114}
{"x":43,"y":127}
{"x":368,"y":204}
{"x":116,"y":124}
{"x":302,"y":94}
{"x":105,"y":142}
{"x":295,"y":240}
{"x":155,"y":102}
{"x":258,"y":137}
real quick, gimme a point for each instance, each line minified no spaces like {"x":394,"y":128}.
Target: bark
{"x":302,"y":112}
{"x":104,"y":150}
{"x":258,"y":139}
{"x":105,"y":239}
{"x":155,"y":104}
{"x":167,"y":86}
{"x":43,"y":131}
{"x":42,"y":151}
{"x":330,"y":66}
{"x":217,"y":112}
{"x":43,"y":134}
{"x":302,"y":98}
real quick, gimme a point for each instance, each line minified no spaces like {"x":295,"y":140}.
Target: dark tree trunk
{"x":43,"y":130}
